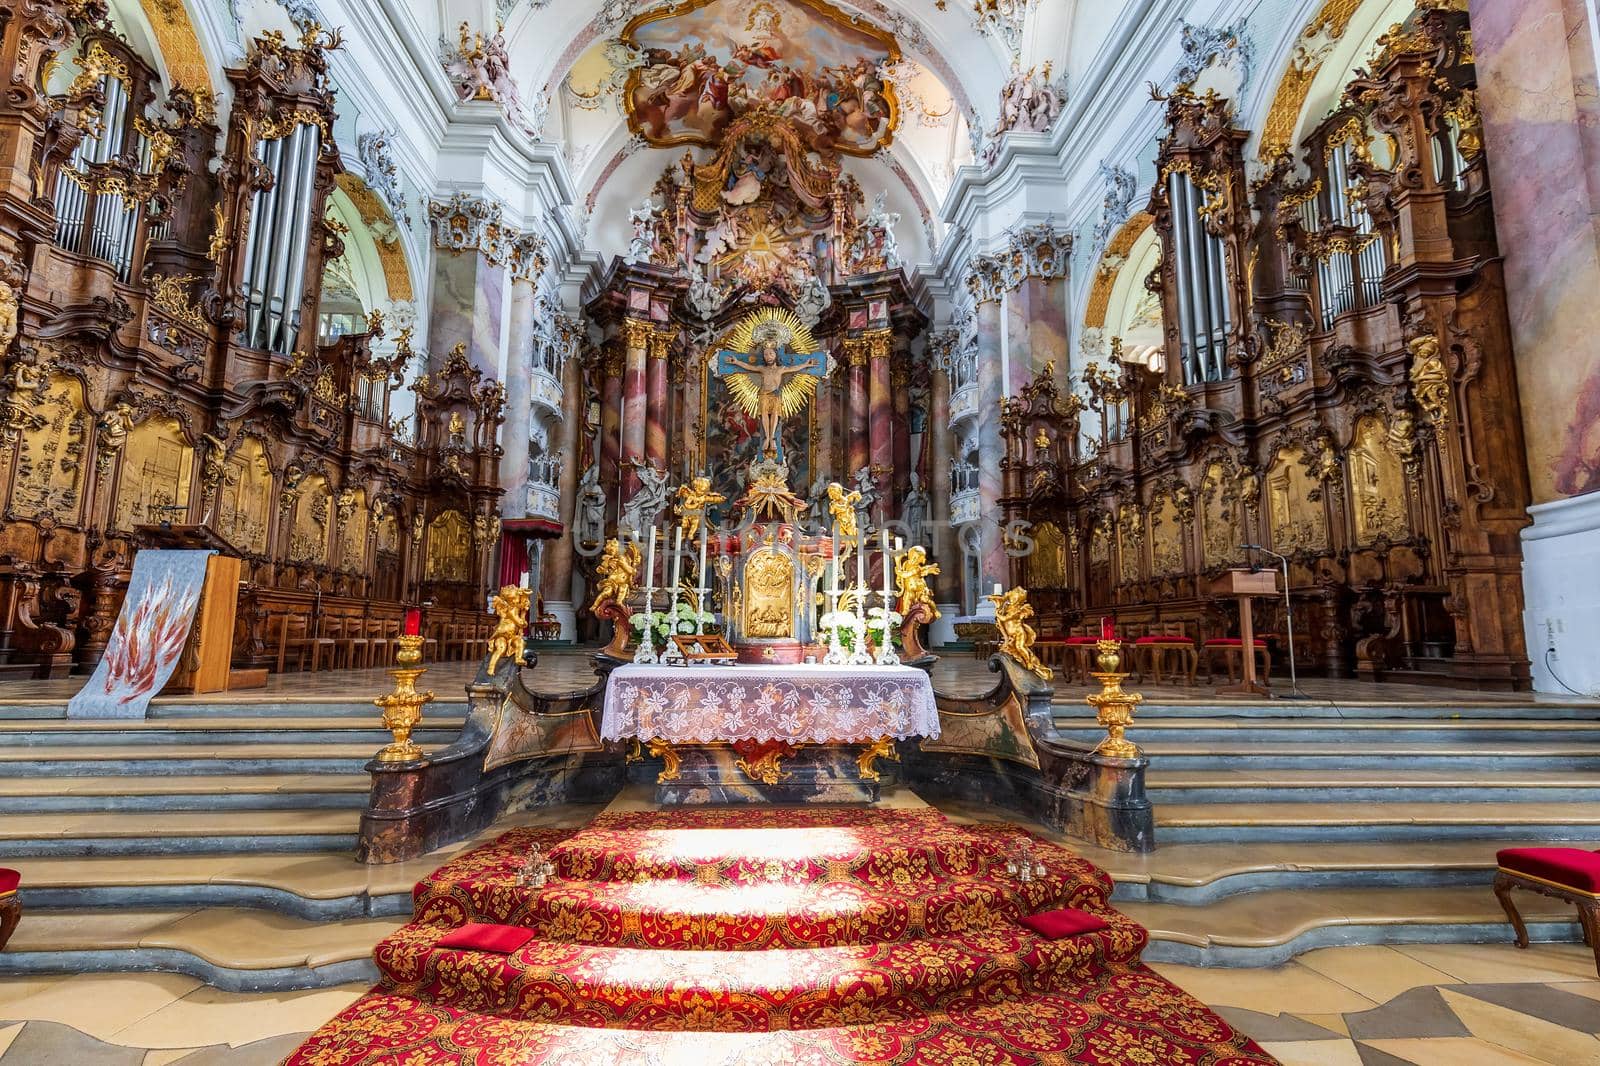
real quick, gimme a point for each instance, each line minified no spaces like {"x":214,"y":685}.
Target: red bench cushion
{"x":484,"y":936}
{"x":1053,"y":925}
{"x":1185,"y":641}
{"x":1572,"y":867}
{"x":9,"y":880}
{"x":1083,"y":640}
{"x":1231,"y":642}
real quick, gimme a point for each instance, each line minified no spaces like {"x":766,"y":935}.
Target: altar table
{"x":797,"y":704}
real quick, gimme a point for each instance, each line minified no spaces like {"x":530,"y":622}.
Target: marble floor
{"x":1447,"y":1005}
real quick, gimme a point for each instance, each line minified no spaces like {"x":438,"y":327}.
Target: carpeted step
{"x":1114,"y":1016}
{"x":786,"y":989}
{"x":687,"y":916}
{"x":916,"y":851}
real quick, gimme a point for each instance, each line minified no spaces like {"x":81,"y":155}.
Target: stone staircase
{"x":1286,"y":826}
{"x":211,"y":839}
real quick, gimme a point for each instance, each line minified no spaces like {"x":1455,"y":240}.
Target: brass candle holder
{"x":1113,"y":707}
{"x":402,"y":708}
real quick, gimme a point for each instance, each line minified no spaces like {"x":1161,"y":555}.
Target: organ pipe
{"x":280,"y":227}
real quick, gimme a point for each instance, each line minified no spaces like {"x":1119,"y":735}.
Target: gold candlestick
{"x":402,"y":708}
{"x":1113,"y":707}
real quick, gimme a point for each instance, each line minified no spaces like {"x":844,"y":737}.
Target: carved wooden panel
{"x":449,"y":549}
{"x":1297,"y":521}
{"x":1377,"y":485}
{"x":52,"y":454}
{"x":157,"y":471}
{"x":244,"y":500}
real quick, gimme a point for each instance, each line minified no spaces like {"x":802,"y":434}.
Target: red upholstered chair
{"x":1166,"y":642}
{"x":10,"y":904}
{"x":1571,"y":874}
{"x":1232,"y":648}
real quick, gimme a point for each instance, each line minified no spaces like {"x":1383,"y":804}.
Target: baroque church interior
{"x":818,"y":531}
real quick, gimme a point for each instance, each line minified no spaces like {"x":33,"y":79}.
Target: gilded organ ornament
{"x":1430,"y":380}
{"x":1166,"y":539}
{"x":1377,"y":485}
{"x":449,"y":554}
{"x":311,"y":523}
{"x":244,"y":503}
{"x":1297,"y":523}
{"x":157,"y":468}
{"x":51,"y":454}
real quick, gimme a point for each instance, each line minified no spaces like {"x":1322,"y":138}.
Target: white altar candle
{"x":861,"y":568}
{"x":833,"y":581}
{"x":650,"y":572}
{"x":888,"y":574}
{"x":700,"y":591}
{"x":999,"y":589}
{"x":677,"y":571}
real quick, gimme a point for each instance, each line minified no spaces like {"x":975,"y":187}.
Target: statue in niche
{"x":591,"y":507}
{"x":914,"y":512}
{"x":642,"y":247}
{"x":1029,"y":103}
{"x":645,"y":506}
{"x":771,"y":371}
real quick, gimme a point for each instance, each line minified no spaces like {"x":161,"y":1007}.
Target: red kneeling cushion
{"x":9,"y":880}
{"x":1572,"y":867}
{"x":1053,"y":925}
{"x":1231,"y":642}
{"x":1185,"y":641}
{"x":484,"y":936}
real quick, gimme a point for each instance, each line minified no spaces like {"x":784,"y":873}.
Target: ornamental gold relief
{"x":157,"y":469}
{"x":51,"y":454}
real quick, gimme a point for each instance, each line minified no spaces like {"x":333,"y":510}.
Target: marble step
{"x":233,"y":950}
{"x":172,"y":832}
{"x":1241,"y":754}
{"x":1403,"y":783}
{"x":236,"y":705}
{"x":1353,"y":733}
{"x":216,"y":730}
{"x":309,"y":885}
{"x":1327,"y":822}
{"x":1069,"y":707}
{"x":22,"y":795}
{"x":1269,"y":928}
{"x":92,"y":760}
{"x":1200,"y":874}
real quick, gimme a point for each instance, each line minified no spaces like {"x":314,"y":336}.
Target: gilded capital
{"x":855,"y":351}
{"x":879,"y":343}
{"x":661,"y":343}
{"x":636,"y":333}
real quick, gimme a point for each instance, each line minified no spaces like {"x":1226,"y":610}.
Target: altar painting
{"x":709,"y":62}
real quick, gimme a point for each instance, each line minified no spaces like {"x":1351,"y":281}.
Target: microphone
{"x":1251,"y":547}
{"x":1255,"y":560}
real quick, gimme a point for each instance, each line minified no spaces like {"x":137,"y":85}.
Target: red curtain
{"x":513,"y":558}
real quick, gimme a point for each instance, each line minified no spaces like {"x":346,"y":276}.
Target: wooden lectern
{"x":208,"y":657}
{"x":1244,"y":584}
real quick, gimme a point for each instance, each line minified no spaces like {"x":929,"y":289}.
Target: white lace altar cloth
{"x":801,"y":704}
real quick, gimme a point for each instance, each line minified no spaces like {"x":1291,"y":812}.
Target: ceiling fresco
{"x":707,"y":63}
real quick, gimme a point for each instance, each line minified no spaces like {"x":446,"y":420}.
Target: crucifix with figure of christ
{"x":771,"y":381}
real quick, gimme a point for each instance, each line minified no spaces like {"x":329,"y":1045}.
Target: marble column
{"x":558,"y":557}
{"x":993,"y":566}
{"x":900,"y":427}
{"x":943,"y":548}
{"x":610,"y":369}
{"x":880,"y":413}
{"x":635,"y":400}
{"x":657,"y":400}
{"x":855,"y":352}
{"x":1540,"y":102}
{"x":520,"y":342}
{"x":1036,"y":332}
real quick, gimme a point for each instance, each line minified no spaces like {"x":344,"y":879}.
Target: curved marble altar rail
{"x":520,"y":749}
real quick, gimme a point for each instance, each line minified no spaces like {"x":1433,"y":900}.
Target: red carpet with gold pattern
{"x":771,"y":936}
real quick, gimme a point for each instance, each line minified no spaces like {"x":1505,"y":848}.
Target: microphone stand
{"x":1294,"y":692}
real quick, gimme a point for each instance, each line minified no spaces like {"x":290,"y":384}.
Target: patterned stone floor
{"x":1366,"y":1006}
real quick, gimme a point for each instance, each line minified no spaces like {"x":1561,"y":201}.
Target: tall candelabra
{"x":402,"y":708}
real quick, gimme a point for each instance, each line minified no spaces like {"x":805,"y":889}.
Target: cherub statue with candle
{"x":842,"y":506}
{"x":1011,"y":614}
{"x":618,"y":567}
{"x":693,"y":499}
{"x":911,"y":573}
